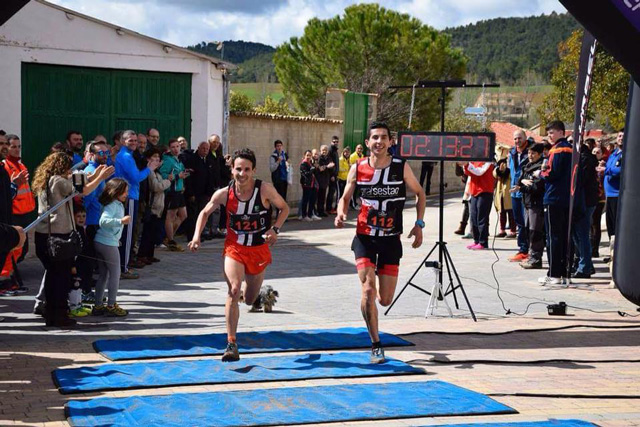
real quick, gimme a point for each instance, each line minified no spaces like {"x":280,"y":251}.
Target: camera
{"x":559,"y":309}
{"x":79,"y":180}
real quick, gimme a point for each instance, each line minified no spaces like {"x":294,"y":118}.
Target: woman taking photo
{"x":52,"y":184}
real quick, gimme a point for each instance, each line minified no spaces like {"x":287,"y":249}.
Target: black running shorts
{"x":380,"y":251}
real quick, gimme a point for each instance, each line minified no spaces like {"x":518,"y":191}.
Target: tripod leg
{"x":409,"y":281}
{"x":459,"y":285}
{"x":451,"y":289}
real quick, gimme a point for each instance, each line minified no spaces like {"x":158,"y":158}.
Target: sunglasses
{"x":102,"y":152}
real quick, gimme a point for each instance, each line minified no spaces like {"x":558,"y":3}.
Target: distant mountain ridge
{"x":500,"y":49}
{"x":504,"y":49}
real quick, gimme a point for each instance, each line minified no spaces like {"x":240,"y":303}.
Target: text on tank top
{"x":247,"y":220}
{"x":382,"y":196}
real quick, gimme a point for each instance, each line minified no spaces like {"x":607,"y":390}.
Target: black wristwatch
{"x":275,"y":229}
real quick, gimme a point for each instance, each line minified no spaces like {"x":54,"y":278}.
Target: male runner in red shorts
{"x":382,"y":181}
{"x":249,"y":203}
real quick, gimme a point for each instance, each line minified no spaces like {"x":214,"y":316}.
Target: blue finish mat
{"x":286,"y":406}
{"x":114,"y":376}
{"x":248,"y":342}
{"x":548,"y":423}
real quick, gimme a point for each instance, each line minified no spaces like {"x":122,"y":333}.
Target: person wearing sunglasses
{"x":99,"y":153}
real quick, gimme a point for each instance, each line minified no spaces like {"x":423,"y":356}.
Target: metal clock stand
{"x":444,"y":257}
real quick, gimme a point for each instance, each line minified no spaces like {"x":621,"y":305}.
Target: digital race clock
{"x":448,"y":146}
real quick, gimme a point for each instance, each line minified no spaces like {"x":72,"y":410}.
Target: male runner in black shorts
{"x":382,"y":181}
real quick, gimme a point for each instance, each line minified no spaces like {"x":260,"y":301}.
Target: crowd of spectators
{"x":530,"y":188}
{"x":139,"y":194}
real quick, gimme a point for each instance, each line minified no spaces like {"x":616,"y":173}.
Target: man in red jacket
{"x":481,"y":192}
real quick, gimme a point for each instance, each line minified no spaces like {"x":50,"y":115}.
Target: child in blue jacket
{"x":107,"y":240}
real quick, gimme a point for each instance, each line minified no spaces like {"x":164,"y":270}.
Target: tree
{"x":608,"y":91}
{"x":367,"y":49}
{"x":240,"y":102}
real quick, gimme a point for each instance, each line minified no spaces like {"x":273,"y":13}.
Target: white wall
{"x":41,"y":33}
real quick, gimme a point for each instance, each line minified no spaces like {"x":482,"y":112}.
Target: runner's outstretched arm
{"x":421,"y":203}
{"x":343,"y":204}
{"x":218,"y":199}
{"x":276,"y":200}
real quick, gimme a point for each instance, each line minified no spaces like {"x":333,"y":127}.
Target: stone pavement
{"x":585,"y":367}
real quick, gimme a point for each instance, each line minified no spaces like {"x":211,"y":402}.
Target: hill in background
{"x":511,"y":49}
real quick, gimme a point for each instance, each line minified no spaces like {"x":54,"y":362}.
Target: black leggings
{"x":57,"y":279}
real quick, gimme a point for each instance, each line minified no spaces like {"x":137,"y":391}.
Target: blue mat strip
{"x":286,"y":406}
{"x":249,"y":342}
{"x":194,"y":372}
{"x":547,"y":423}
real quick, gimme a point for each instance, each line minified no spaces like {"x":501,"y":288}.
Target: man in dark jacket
{"x":333,"y":181}
{"x":557,"y":178}
{"x":201,"y":183}
{"x":585,"y":202}
{"x":532,"y":190}
{"x":325,"y":172}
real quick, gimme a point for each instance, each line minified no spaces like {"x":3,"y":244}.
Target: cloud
{"x":187,"y":22}
{"x":248,"y":7}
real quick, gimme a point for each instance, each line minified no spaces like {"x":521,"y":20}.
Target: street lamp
{"x":219,"y":47}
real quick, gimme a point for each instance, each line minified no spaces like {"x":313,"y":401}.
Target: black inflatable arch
{"x":621,"y":36}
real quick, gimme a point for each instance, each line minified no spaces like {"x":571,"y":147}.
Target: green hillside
{"x":505,"y":49}
{"x":258,"y":91}
{"x":509,"y":50}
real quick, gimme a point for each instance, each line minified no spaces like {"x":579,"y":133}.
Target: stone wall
{"x":258,"y":131}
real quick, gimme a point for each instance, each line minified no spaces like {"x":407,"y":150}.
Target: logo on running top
{"x":379,"y":191}
{"x":244,"y":217}
{"x":260,"y":264}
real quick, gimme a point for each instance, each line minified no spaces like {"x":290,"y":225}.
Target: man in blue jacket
{"x":127,"y":169}
{"x":612,"y":172}
{"x":517,"y":160}
{"x":557,"y":178}
{"x":100,"y":152}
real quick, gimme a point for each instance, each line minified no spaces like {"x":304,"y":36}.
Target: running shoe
{"x":231,"y":353}
{"x":546,"y":280}
{"x":377,"y":355}
{"x":78,"y":312}
{"x":316,"y":218}
{"x":98,"y":310}
{"x":115,"y":311}
{"x":129,"y":275}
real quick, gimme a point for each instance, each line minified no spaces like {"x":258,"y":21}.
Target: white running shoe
{"x":315,"y":218}
{"x":546,"y":280}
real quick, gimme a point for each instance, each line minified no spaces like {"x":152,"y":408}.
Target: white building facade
{"x":61,"y":68}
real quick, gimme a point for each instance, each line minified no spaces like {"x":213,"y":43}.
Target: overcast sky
{"x":186,"y":22}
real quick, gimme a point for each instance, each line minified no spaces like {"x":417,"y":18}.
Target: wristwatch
{"x":275,"y":229}
{"x":420,"y":223}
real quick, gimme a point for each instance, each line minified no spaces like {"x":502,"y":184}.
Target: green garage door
{"x":355,"y":119}
{"x":57,"y":99}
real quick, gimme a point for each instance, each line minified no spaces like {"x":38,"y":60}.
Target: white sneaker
{"x":546,"y":280}
{"x":300,"y":218}
{"x":307,"y":219}
{"x":315,"y":218}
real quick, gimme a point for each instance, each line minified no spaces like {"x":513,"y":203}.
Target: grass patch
{"x":258,"y":91}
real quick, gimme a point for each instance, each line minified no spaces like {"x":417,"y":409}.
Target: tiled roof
{"x":279,"y":117}
{"x":504,"y":132}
